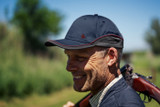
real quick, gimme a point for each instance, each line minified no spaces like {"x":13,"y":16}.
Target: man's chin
{"x":81,"y":89}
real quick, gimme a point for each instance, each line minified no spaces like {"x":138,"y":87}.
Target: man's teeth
{"x":78,"y":77}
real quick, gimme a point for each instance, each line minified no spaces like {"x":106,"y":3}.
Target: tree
{"x":37,"y":23}
{"x":153,"y":36}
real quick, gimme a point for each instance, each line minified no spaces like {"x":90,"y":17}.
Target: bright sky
{"x":132,"y":17}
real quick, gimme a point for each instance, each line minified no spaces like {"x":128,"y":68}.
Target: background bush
{"x":23,"y":74}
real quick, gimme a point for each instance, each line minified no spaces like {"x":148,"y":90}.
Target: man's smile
{"x":79,"y":77}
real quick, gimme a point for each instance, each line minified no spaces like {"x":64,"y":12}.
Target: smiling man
{"x":86,"y":66}
{"x":94,"y":46}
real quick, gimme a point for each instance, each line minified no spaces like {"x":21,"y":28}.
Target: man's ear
{"x":112,"y":56}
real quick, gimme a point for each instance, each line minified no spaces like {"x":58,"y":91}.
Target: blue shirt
{"x":96,"y":99}
{"x":121,"y":95}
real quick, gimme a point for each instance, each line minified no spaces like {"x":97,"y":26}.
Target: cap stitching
{"x":87,"y":43}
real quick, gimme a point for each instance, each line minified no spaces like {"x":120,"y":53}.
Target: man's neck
{"x":111,"y":78}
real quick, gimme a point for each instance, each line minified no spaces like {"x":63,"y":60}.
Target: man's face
{"x":88,"y":67}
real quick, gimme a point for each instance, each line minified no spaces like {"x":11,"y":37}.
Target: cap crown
{"x":88,"y":28}
{"x":88,"y":31}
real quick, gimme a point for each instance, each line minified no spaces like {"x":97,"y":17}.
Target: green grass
{"x":147,"y":64}
{"x":22,"y":74}
{"x":139,"y":62}
{"x":52,"y":100}
{"x":33,"y":81}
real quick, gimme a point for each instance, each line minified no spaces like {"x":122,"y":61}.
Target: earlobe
{"x":112,"y":56}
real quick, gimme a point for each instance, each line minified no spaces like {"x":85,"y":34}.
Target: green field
{"x":41,"y":81}
{"x":22,"y":74}
{"x":140,"y":63}
{"x":53,"y":100}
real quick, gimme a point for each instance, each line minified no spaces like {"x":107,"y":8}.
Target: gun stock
{"x":84,"y":102}
{"x":144,"y":86}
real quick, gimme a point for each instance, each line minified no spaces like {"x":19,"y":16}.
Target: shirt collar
{"x":96,"y":99}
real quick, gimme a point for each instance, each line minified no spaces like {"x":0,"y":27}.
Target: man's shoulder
{"x":121,"y":94}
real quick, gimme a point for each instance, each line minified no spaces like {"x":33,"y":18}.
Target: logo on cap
{"x":83,"y":36}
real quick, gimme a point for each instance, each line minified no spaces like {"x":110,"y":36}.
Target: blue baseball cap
{"x":88,"y":31}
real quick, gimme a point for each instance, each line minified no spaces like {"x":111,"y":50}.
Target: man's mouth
{"x":78,"y":77}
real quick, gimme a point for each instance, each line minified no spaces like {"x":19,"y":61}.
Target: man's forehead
{"x":85,"y":50}
{"x":77,"y":50}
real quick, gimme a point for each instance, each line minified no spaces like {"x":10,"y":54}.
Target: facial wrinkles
{"x":96,"y":60}
{"x":87,"y":85}
{"x":89,"y":68}
{"x":97,"y":71}
{"x":94,"y":69}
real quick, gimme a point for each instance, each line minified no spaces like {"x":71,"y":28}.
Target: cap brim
{"x":68,"y":44}
{"x":112,"y":41}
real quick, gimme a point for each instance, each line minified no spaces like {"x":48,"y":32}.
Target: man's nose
{"x":71,"y":66}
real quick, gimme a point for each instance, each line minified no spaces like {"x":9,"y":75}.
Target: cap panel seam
{"x":86,"y":43}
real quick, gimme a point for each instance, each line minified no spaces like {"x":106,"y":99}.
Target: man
{"x":94,"y":46}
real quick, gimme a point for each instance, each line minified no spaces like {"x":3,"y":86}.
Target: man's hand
{"x":69,"y":104}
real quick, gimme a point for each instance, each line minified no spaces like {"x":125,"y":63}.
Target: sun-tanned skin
{"x":91,"y":68}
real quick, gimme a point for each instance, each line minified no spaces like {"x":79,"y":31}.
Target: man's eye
{"x":81,"y":59}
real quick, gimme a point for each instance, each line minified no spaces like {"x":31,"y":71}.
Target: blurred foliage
{"x":3,"y":31}
{"x":153,"y":36}
{"x":21,"y":74}
{"x":141,"y":62}
{"x":37,"y":22}
{"x":147,"y":64}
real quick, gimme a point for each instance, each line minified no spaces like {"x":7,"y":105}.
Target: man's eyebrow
{"x":66,"y":51}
